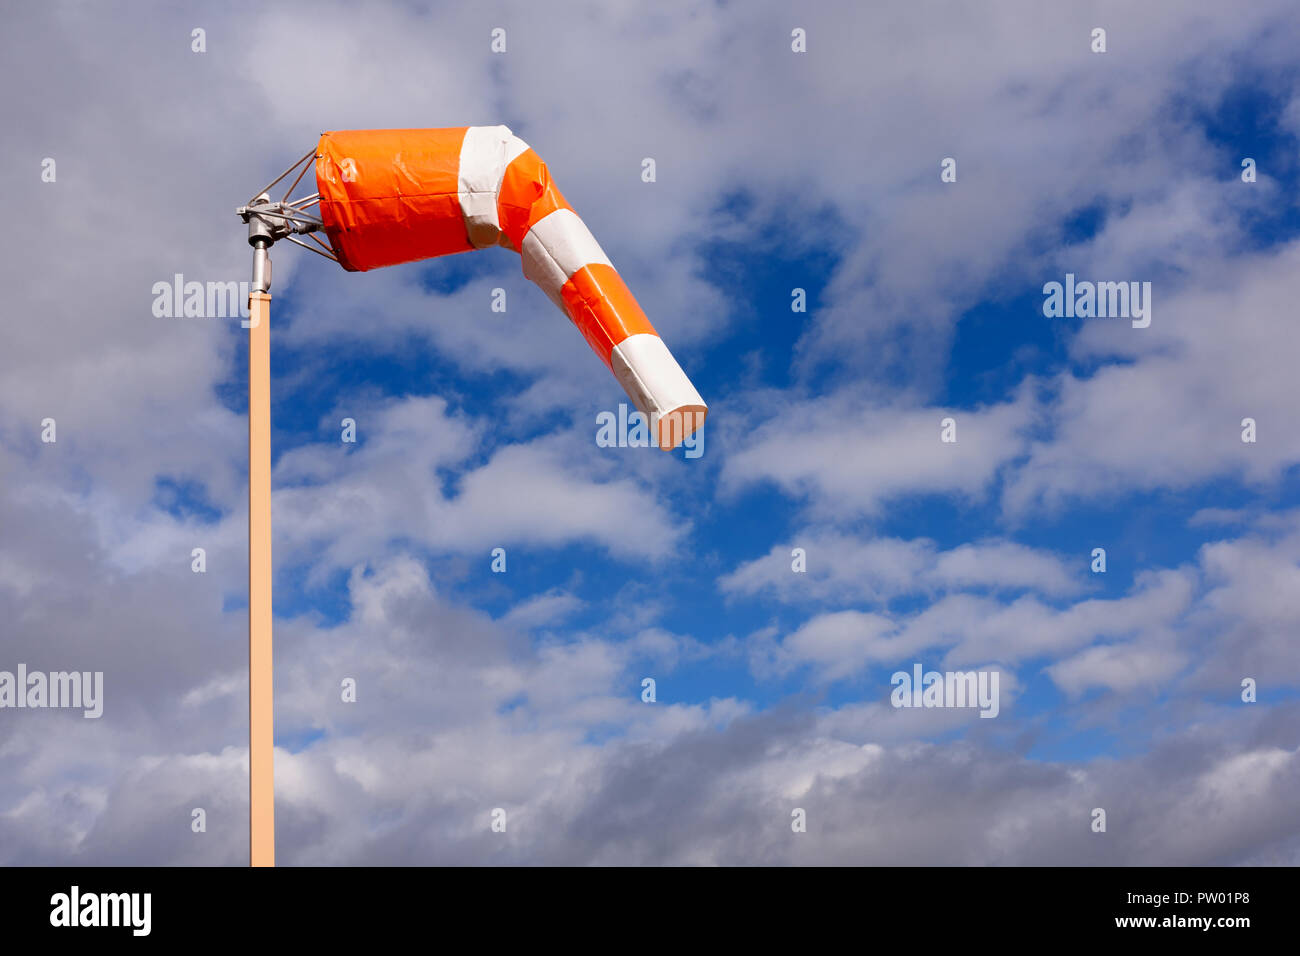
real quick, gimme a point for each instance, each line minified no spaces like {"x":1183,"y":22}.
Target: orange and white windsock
{"x":392,"y":196}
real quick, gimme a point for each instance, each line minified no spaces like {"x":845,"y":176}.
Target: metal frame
{"x":269,"y":222}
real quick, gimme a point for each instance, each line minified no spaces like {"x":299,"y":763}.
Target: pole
{"x":261,"y":709}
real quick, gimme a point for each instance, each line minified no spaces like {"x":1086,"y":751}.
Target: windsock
{"x":399,"y":195}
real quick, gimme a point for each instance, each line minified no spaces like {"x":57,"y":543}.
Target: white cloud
{"x":847,"y":457}
{"x":844,"y":568}
{"x":1171,"y":416}
{"x":1120,"y":667}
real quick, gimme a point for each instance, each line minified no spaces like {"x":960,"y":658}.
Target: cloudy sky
{"x":776,"y":170}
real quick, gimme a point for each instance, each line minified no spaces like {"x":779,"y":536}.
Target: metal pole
{"x":267,"y":222}
{"x":261,"y":709}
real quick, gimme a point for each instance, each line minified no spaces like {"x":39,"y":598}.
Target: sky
{"x":826,"y":537}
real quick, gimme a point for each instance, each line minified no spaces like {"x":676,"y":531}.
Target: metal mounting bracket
{"x":269,"y":222}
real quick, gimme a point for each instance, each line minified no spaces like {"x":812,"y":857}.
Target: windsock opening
{"x":394,"y":196}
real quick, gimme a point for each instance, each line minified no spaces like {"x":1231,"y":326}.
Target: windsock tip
{"x":679,"y":424}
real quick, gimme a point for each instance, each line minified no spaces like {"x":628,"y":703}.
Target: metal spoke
{"x":300,"y":217}
{"x":299,"y":242}
{"x":305,"y":166}
{"x":310,"y":155}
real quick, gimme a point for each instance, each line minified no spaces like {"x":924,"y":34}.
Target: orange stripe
{"x":527,"y":196}
{"x":603,"y":309}
{"x":403,"y":203}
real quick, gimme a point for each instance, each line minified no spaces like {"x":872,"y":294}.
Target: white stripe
{"x":484,"y":156}
{"x":558,"y":246}
{"x":651,"y":376}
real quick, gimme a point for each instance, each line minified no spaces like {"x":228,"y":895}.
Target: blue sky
{"x":776,"y":170}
